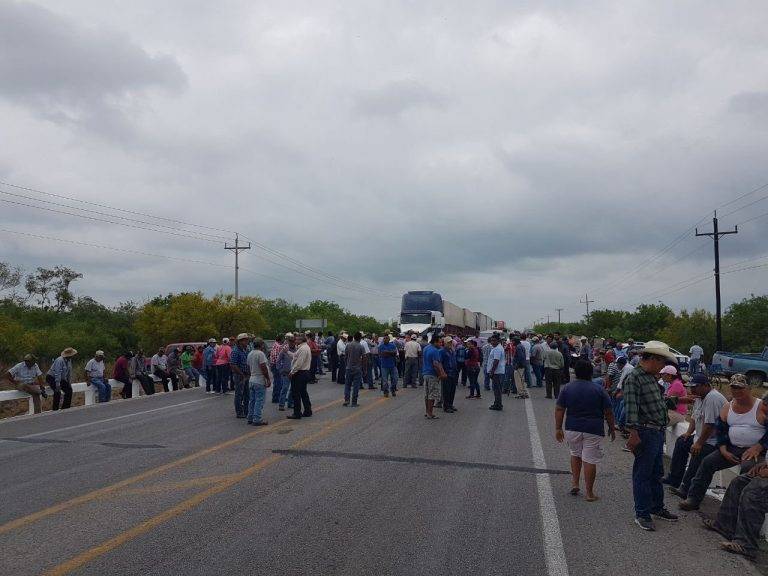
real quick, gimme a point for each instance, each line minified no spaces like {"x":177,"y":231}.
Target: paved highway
{"x":174,"y":484}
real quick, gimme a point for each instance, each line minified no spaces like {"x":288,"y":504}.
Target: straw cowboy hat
{"x":659,"y":349}
{"x":68,"y":352}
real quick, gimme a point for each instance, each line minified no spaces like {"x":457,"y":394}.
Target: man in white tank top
{"x":741,"y":440}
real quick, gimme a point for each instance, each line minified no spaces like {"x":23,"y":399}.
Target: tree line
{"x":40,"y":314}
{"x":745,"y":326}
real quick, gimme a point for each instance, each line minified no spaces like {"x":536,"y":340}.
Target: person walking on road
{"x":341,"y":346}
{"x":302,"y":361}
{"x":223,"y":371}
{"x":412,"y":357}
{"x":496,"y":366}
{"x":647,"y":420}
{"x":94,"y":376}
{"x":388,"y":360}
{"x":433,"y":371}
{"x":59,"y":378}
{"x":585,"y":407}
{"x":277,"y":379}
{"x":26,"y":376}
{"x":209,"y":367}
{"x":537,"y":361}
{"x":474,"y":358}
{"x":238,"y":363}
{"x":356,"y":366}
{"x":741,"y":439}
{"x":450,"y":366}
{"x":333,"y":355}
{"x":259,"y":381}
{"x":553,"y":369}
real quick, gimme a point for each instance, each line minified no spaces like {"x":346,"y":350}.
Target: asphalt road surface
{"x":174,"y":484}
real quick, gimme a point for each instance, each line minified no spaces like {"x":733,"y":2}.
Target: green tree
{"x":686,"y":329}
{"x":745,"y":325}
{"x":648,"y":320}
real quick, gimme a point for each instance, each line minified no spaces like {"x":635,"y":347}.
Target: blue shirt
{"x":388,"y":361}
{"x":431,"y":354}
{"x":240,"y":359}
{"x":448,"y":359}
{"x":585,"y":404}
{"x":208,"y":353}
{"x":462,"y":354}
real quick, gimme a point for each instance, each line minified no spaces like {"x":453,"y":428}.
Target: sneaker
{"x":293,"y":417}
{"x":665,"y":514}
{"x":677,"y":492}
{"x":688,"y":505}
{"x":355,"y":404}
{"x":645,"y":524}
{"x":494,"y":407}
{"x":394,"y":393}
{"x":281,"y":408}
{"x":345,"y":404}
{"x":468,"y":397}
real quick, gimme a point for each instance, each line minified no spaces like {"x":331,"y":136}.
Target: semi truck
{"x":425,"y":311}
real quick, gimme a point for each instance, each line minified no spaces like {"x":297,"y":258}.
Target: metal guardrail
{"x":91,"y":393}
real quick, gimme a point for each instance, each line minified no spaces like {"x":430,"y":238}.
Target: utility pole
{"x":547,"y":318}
{"x":237,"y":248}
{"x":558,"y":310}
{"x":587,"y":301}
{"x":715,"y":235}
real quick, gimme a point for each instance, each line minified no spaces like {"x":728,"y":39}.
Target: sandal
{"x":710,"y":524}
{"x":433,"y":417}
{"x":592,"y":499}
{"x":574,"y":491}
{"x":735,"y":548}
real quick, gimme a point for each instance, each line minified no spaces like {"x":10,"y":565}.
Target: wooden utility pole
{"x":587,"y":301}
{"x":558,"y":310}
{"x":237,"y":248}
{"x":715,"y":235}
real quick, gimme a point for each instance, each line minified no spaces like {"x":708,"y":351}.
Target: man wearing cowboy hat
{"x":647,"y":419}
{"x":27,"y":377}
{"x":238,"y":363}
{"x":59,"y":378}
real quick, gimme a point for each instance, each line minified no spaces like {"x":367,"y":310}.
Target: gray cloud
{"x":395,"y":98}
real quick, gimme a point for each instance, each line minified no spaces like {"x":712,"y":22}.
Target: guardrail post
{"x":135,"y":389}
{"x":89,"y":395}
{"x":32,"y":405}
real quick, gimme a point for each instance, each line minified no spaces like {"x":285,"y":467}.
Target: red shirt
{"x":120,"y":371}
{"x":609,"y":356}
{"x":314,"y":348}
{"x":473,"y":358}
{"x":197,"y":360}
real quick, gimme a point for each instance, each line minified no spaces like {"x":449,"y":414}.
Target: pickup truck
{"x":753,"y":366}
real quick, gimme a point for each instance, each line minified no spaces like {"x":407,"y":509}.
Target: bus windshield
{"x":412,"y":318}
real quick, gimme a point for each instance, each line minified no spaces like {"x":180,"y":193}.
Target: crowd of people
{"x":635,"y":391}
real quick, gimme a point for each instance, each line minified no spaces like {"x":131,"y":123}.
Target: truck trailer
{"x":425,"y":311}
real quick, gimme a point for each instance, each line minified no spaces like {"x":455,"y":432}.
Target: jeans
{"x":449,"y":390}
{"x":742,"y":512}
{"x":103,"y":387}
{"x":369,"y":373}
{"x":487,"y":380}
{"x":474,"y":387}
{"x":554,"y":379}
{"x":693,"y":467}
{"x":277,"y":384}
{"x":497,"y":383}
{"x":285,"y":390}
{"x":210,"y":378}
{"x":64,"y":387}
{"x":333,"y":365}
{"x":538,"y":372}
{"x":509,"y":379}
{"x":693,"y":366}
{"x":340,"y":377}
{"x":354,"y":380}
{"x":221,"y":385}
{"x":193,"y":375}
{"x":147,"y":384}
{"x":241,"y":395}
{"x":388,"y":373}
{"x":679,"y":460}
{"x":463,"y":374}
{"x":411,"y":372}
{"x":299,"y":393}
{"x":711,"y":464}
{"x":256,"y":394}
{"x":376,"y":367}
{"x":527,"y":373}
{"x":647,"y":472}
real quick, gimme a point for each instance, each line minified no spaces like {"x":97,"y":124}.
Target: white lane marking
{"x":111,"y":419}
{"x":554,"y":552}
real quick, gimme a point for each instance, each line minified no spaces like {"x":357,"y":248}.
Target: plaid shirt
{"x":274,"y":353}
{"x":239,"y":358}
{"x":643,"y":400}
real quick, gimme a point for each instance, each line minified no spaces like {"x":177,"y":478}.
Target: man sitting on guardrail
{"x":94,"y":376}
{"x":741,"y":439}
{"x":27,"y":377}
{"x":59,"y":378}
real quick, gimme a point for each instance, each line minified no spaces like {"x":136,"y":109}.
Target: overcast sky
{"x":510,"y":157}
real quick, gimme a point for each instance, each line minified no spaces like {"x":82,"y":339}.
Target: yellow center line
{"x":117,"y":486}
{"x":92,"y":553}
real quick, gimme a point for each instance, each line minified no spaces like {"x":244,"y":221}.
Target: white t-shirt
{"x":497,"y":353}
{"x":255,"y":359}
{"x":340,"y":347}
{"x":696,"y":352}
{"x":366,"y":347}
{"x":95,"y":368}
{"x":412,"y":349}
{"x":624,"y":371}
{"x":527,"y":345}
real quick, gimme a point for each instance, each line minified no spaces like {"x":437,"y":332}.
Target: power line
{"x":125,"y":210}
